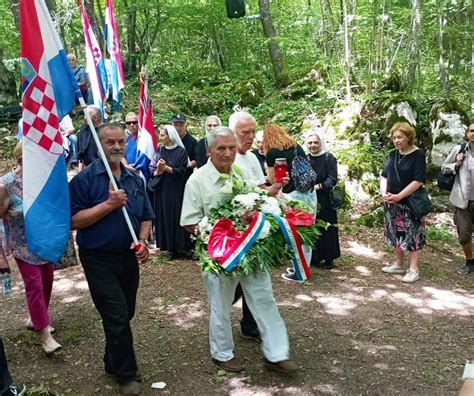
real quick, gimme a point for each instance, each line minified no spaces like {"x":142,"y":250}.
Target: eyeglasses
{"x":131,"y":122}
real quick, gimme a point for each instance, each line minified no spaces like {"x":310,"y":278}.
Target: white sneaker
{"x":393,"y":269}
{"x":50,"y":346}
{"x":411,"y":276}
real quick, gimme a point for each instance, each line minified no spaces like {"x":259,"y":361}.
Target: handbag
{"x":337,"y":193}
{"x":302,"y":173}
{"x":337,"y":197}
{"x":446,"y":181}
{"x":418,"y":201}
{"x":154,"y":183}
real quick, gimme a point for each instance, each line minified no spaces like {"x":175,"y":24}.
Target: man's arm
{"x":89,"y":216}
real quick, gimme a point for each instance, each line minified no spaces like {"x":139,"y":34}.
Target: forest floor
{"x":353,"y":330}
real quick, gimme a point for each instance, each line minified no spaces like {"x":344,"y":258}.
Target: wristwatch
{"x":468,"y":370}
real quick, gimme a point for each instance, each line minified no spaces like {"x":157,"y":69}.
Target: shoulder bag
{"x":446,"y":181}
{"x":303,"y":175}
{"x":418,"y":201}
{"x":337,"y":194}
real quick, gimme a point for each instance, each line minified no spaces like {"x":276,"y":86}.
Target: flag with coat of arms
{"x":49,"y":92}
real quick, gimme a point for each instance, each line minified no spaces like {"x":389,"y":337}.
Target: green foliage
{"x":372,"y":219}
{"x":362,"y":158}
{"x":440,"y":233}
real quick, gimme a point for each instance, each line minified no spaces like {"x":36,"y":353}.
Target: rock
{"x":441,"y":202}
{"x":250,"y":92}
{"x":448,"y":129}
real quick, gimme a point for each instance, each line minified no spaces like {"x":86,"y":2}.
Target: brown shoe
{"x":232,"y":365}
{"x":285,"y":366}
{"x":130,"y":388}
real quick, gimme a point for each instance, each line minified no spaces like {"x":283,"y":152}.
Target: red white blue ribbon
{"x":293,"y":241}
{"x":231,"y":259}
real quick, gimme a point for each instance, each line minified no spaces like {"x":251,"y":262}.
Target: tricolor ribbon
{"x":293,"y":241}
{"x":232,"y":258}
{"x":234,"y":254}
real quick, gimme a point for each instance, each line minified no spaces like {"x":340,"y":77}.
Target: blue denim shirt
{"x":110,"y":234}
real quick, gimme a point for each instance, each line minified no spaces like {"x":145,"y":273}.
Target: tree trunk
{"x":89,"y":7}
{"x":269,"y":32}
{"x":443,"y":75}
{"x":347,"y":50}
{"x":131,"y":39}
{"x":414,"y":50}
{"x":472,"y":71}
{"x":15,"y":7}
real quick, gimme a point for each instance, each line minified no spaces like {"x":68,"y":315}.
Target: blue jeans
{"x":113,"y":283}
{"x":73,"y":149}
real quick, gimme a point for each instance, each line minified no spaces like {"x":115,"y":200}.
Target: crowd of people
{"x":166,"y":201}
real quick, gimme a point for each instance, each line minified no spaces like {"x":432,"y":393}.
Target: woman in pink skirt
{"x":37,"y":274}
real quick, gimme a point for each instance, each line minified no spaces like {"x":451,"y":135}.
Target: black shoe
{"x":253,"y":335}
{"x":468,"y":268}
{"x":328,"y":264}
{"x":14,"y":391}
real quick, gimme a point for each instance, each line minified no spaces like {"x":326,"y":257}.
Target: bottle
{"x":281,"y":168}
{"x":6,"y":284}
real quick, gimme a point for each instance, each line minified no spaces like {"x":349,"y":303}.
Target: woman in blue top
{"x":401,"y":229}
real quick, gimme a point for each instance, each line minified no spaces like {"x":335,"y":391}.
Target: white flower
{"x":204,"y":229}
{"x":270,"y":205}
{"x":265,"y":230}
{"x":248,"y":201}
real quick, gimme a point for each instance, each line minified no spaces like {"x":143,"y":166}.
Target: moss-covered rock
{"x":250,"y":92}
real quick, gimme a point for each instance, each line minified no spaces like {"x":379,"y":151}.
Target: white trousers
{"x":257,"y":288}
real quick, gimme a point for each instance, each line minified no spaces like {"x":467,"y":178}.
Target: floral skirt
{"x":401,"y":230}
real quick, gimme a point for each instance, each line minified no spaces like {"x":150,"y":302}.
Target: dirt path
{"x":353,"y":330}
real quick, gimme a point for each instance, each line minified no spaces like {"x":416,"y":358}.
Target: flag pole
{"x":109,"y":171}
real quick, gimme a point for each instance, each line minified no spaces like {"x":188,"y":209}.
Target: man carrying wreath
{"x":204,"y":192}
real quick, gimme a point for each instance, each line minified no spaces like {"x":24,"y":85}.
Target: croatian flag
{"x":147,"y":143}
{"x":95,"y":63}
{"x":113,"y":47}
{"x":49,"y":91}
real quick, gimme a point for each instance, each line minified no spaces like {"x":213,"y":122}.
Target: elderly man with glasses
{"x":131,"y":120}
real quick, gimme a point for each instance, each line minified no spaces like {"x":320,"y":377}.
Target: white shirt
{"x":202,"y":192}
{"x":250,"y":167}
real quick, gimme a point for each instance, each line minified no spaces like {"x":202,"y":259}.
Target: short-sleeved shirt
{"x":14,"y":221}
{"x":202,"y":193}
{"x":110,"y":234}
{"x":411,"y":167}
{"x":250,"y":167}
{"x":288,"y":154}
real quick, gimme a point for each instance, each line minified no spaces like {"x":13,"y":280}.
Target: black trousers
{"x":247,"y":324}
{"x":5,"y":379}
{"x":113,"y":283}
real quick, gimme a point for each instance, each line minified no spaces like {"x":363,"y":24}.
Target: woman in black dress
{"x":170,"y":163}
{"x":402,"y":230}
{"x":325,"y":165}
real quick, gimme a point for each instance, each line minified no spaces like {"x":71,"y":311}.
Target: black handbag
{"x":446,"y":181}
{"x":337,"y":194}
{"x":154,"y":183}
{"x":418,"y":201}
{"x":337,"y":197}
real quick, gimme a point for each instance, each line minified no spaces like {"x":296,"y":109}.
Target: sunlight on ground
{"x":184,"y":314}
{"x":363,"y":250}
{"x":69,"y":285}
{"x":237,"y":386}
{"x":427,"y":301}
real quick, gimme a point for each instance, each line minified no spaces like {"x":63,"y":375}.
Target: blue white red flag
{"x":49,"y":92}
{"x":95,"y":63}
{"x":147,"y":142}
{"x":113,"y":48}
